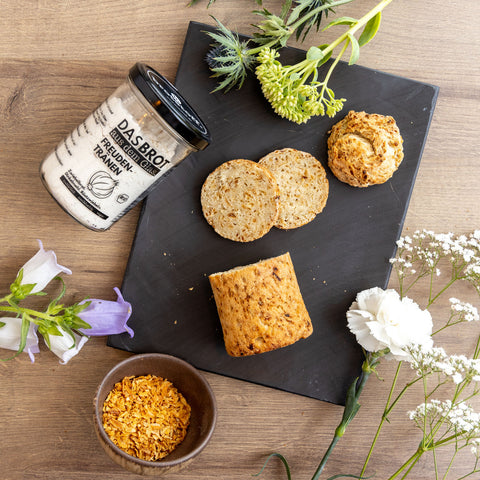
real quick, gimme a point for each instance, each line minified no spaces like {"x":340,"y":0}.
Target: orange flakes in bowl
{"x":146,"y":416}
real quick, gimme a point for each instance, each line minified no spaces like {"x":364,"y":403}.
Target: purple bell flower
{"x":106,"y":317}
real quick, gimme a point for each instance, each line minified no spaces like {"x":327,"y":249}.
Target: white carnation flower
{"x":381,"y":320}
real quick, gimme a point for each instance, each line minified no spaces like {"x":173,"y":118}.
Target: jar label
{"x":107,"y":164}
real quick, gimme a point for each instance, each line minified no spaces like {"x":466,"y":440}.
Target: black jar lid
{"x":170,"y":105}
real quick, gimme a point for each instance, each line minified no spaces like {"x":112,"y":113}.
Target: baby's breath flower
{"x":426,"y":253}
{"x":459,"y":418}
{"x":458,"y":368}
{"x":475,"y":446}
{"x":425,"y":359}
{"x":464,"y":310}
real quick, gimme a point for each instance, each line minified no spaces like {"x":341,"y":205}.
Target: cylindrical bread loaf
{"x":260,"y":306}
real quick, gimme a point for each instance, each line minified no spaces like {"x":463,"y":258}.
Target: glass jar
{"x":121,"y":151}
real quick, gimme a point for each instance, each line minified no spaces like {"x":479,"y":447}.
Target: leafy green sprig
{"x":294,"y":91}
{"x":295,"y":17}
{"x":230,"y":59}
{"x":56,"y":316}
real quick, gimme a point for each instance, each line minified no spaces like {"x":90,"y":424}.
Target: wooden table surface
{"x":58,"y":60}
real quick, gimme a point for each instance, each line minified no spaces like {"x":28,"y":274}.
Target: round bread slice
{"x":364,"y":149}
{"x":303,"y":186}
{"x":240,"y":200}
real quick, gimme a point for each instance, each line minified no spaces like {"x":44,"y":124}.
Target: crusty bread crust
{"x":240,"y":200}
{"x":364,"y":149}
{"x":260,"y":306}
{"x":303,"y":186}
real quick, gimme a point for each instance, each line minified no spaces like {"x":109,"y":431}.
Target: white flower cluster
{"x":459,"y":418}
{"x":427,"y":249}
{"x":435,"y":360}
{"x":475,"y":446}
{"x":465,"y":311}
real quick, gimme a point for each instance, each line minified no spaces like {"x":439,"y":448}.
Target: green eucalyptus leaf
{"x":341,"y":21}
{"x":314,"y":53}
{"x":355,"y":49}
{"x":370,"y":30}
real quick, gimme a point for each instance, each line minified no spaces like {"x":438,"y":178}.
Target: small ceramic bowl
{"x":190,"y":383}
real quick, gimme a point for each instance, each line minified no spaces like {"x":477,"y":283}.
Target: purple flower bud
{"x":41,"y":269}
{"x":106,"y":317}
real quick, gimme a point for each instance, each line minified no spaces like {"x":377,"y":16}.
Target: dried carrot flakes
{"x":146,"y":416}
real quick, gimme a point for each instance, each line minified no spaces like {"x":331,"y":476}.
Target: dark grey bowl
{"x":193,"y":386}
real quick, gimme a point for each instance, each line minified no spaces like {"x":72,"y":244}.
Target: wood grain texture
{"x":58,"y":60}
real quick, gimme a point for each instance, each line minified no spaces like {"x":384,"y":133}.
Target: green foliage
{"x":229,"y":58}
{"x":55,"y":316}
{"x":306,"y":7}
{"x":294,"y":91}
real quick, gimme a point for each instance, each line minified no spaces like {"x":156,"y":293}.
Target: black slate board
{"x":344,"y":250}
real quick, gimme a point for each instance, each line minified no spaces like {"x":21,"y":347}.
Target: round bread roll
{"x":364,"y":149}
{"x":303,"y":186}
{"x":240,"y":200}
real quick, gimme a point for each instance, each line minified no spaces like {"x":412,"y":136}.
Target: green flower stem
{"x":28,"y":311}
{"x":331,"y":69}
{"x":409,"y":464}
{"x":387,"y":409}
{"x":477,"y":348}
{"x":351,"y":407}
{"x":311,"y":65}
{"x":256,"y":50}
{"x":359,"y":24}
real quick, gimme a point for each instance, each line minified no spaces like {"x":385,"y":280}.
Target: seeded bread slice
{"x":303,"y":185}
{"x":240,"y":200}
{"x":260,"y":306}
